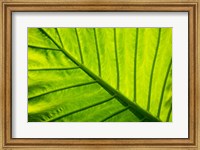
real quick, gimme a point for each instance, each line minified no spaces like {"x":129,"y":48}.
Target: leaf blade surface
{"x":116,"y":60}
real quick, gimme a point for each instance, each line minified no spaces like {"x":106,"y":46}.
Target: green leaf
{"x":99,"y":74}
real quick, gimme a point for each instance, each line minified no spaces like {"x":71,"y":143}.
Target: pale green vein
{"x":152,"y":70}
{"x":163,"y":88}
{"x":135,"y":65}
{"x":45,"y":33}
{"x":116,"y":57}
{"x":97,"y":49}
{"x":50,"y":69}
{"x":60,"y":89}
{"x":79,"y":45}
{"x":81,"y":109}
{"x":169,"y":113}
{"x":115,"y":113}
{"x":43,"y":48}
{"x":59,"y":37}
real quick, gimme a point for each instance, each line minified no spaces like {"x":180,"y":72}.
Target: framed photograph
{"x":107,"y":75}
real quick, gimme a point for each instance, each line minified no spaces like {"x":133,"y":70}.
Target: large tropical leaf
{"x":99,"y":74}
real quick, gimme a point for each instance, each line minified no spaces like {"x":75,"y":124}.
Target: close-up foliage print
{"x":99,"y":74}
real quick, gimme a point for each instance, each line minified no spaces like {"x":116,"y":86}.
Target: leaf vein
{"x":169,"y":113}
{"x":97,"y":49}
{"x":50,"y":69}
{"x":59,"y":37}
{"x":45,"y":33}
{"x":115,"y":113}
{"x":135,"y":65}
{"x":81,"y":109}
{"x":116,"y":57}
{"x":46,"y":48}
{"x":163,"y":89}
{"x":152,"y":70}
{"x":68,"y":87}
{"x":79,"y":45}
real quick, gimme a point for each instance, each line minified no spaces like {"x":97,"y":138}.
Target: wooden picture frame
{"x":9,"y":6}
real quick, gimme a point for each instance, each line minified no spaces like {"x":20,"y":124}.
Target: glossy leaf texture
{"x":99,"y":74}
